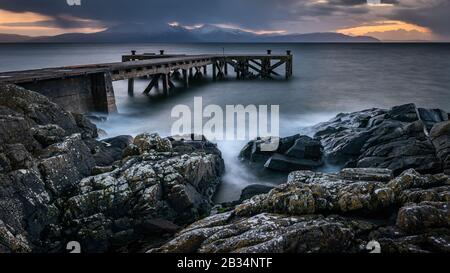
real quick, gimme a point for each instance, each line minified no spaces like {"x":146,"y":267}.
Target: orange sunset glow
{"x":23,"y":23}
{"x":381,"y":27}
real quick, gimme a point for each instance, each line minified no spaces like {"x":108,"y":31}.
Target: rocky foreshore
{"x":59,"y":183}
{"x":342,"y":212}
{"x":394,"y":190}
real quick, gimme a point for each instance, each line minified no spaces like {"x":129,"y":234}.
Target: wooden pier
{"x":89,"y":88}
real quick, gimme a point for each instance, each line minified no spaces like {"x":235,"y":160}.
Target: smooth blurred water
{"x":328,"y":79}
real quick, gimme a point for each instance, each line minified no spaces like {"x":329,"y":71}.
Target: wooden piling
{"x":165,"y":83}
{"x":185,"y":78}
{"x":131,"y":87}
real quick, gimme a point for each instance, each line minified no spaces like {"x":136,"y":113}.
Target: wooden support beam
{"x":171,"y":84}
{"x":225,"y":68}
{"x":185,"y":78}
{"x":153,"y":83}
{"x":255,"y":62}
{"x":275,"y":73}
{"x":254,"y":68}
{"x":277,"y":64}
{"x":198,"y":73}
{"x":214,"y":71}
{"x":205,"y":70}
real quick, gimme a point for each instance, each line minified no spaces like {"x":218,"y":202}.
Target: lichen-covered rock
{"x":177,"y":188}
{"x":295,"y":217}
{"x":10,"y":242}
{"x":394,"y":240}
{"x":422,"y":216}
{"x":308,"y":193}
{"x":377,"y":138}
{"x":48,"y":134}
{"x":268,"y":233}
{"x":152,"y":142}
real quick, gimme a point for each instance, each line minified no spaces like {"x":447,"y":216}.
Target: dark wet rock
{"x":26,"y":209}
{"x":11,"y":242}
{"x":440,"y":136}
{"x":110,"y":150}
{"x":48,"y":134}
{"x":267,"y":233}
{"x":306,"y":148}
{"x":65,"y":163}
{"x":252,"y":190}
{"x":291,"y":153}
{"x":430,"y":117}
{"x":317,"y":212}
{"x":36,"y":108}
{"x":16,"y":128}
{"x":189,"y":143}
{"x":394,"y":240}
{"x":96,"y":118}
{"x":254,"y":152}
{"x":18,"y":157}
{"x":89,"y":130}
{"x":279,"y":162}
{"x":404,"y":113}
{"x":100,"y":170}
{"x":48,"y":196}
{"x":377,"y":138}
{"x":130,"y":150}
{"x":422,"y":216}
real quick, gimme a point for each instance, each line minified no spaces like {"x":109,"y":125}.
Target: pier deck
{"x":85,"y":88}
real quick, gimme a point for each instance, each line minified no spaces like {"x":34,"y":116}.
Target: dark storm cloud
{"x":434,"y":15}
{"x":257,"y":14}
{"x":248,"y":13}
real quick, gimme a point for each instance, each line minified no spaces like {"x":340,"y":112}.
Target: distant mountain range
{"x":179,"y":34}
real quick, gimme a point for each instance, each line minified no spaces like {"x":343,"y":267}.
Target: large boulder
{"x":290,"y":153}
{"x":396,"y":139}
{"x":340,"y":212}
{"x":107,"y":151}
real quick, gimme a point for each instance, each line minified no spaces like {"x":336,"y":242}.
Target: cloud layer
{"x":297,"y":16}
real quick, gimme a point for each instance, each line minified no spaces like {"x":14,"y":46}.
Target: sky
{"x":383,"y":19}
